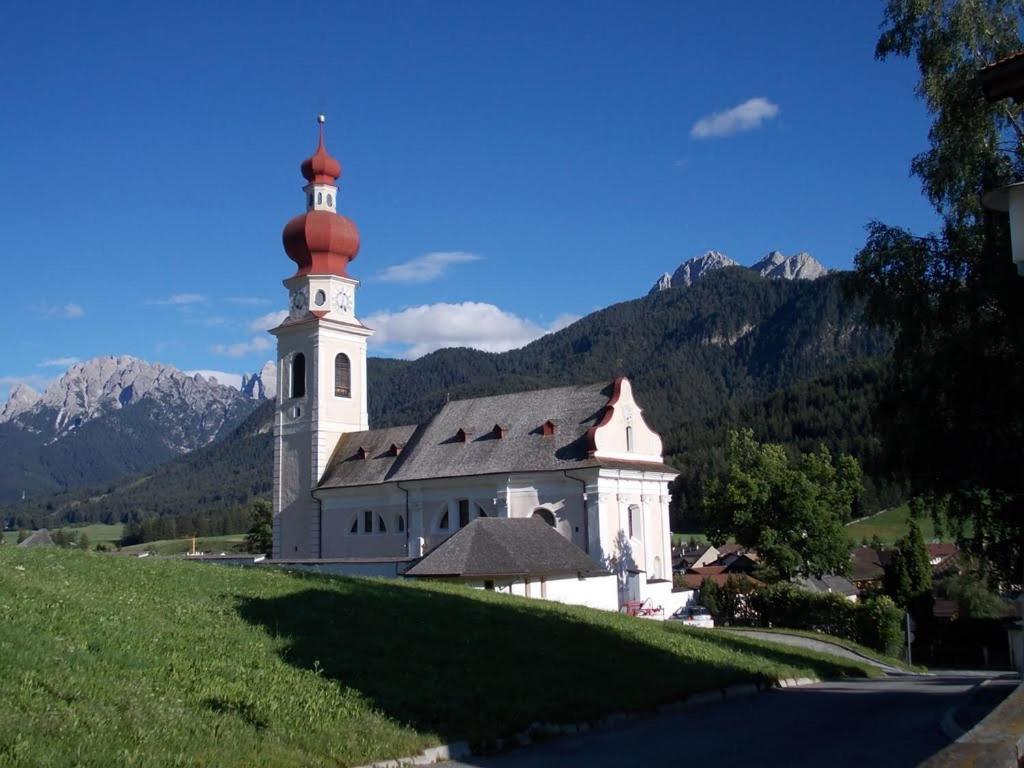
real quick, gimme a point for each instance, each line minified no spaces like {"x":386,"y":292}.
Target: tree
{"x":908,"y":576}
{"x":710,"y":597}
{"x":260,"y":538}
{"x":83,"y":541}
{"x":974,"y":598}
{"x":791,"y":511}
{"x":22,"y":535}
{"x":949,"y":410}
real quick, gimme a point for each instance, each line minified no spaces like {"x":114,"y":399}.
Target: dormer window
{"x":463,"y":435}
{"x":548,"y":428}
{"x":362,"y":453}
{"x":499,"y":431}
{"x":395,"y":449}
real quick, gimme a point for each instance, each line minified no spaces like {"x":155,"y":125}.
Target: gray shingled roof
{"x":502,"y":546}
{"x":433,"y":449}
{"x":830,"y":583}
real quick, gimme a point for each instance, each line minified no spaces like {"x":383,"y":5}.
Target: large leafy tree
{"x":951,"y":409}
{"x":791,"y":510}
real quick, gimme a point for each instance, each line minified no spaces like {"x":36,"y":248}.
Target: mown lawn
{"x":106,"y":660}
{"x":233,"y":542}
{"x":890,"y":525}
{"x":97,"y":532}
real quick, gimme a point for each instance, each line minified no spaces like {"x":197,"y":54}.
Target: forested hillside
{"x":733,"y":349}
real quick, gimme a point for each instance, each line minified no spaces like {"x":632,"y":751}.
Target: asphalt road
{"x":892,"y":721}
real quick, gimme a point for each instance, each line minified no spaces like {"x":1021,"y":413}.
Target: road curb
{"x":995,"y":742}
{"x":540,"y":732}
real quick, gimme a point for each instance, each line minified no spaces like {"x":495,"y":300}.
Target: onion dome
{"x":321,"y":168}
{"x":321,"y":241}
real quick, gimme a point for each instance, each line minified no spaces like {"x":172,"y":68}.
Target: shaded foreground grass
{"x":115,"y":661}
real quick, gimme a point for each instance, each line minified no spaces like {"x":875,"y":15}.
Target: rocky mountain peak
{"x":799,"y":266}
{"x":776,"y":265}
{"x":692,"y":270}
{"x":21,"y":399}
{"x":261,"y":385}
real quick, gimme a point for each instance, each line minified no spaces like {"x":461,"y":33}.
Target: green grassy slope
{"x":892,"y":524}
{"x":233,"y":542}
{"x":107,"y":660}
{"x":97,"y":533}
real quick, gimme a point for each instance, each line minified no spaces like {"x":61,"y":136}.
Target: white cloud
{"x":268,"y":321}
{"x":242,"y":348}
{"x":223,"y":377}
{"x":57,"y":362}
{"x":180,"y":299}
{"x":253,"y":301}
{"x":69,"y":311}
{"x":419,"y":330}
{"x":427,"y":267}
{"x":743,"y":117}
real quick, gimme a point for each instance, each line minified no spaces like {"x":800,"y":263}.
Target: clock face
{"x":299,"y":300}
{"x":343,"y":300}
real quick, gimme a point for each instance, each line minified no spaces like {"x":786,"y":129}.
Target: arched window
{"x":401,"y":523}
{"x":355,"y":526}
{"x":463,"y":513}
{"x":545,"y":515}
{"x":367,"y":521}
{"x":656,"y":570}
{"x":443,"y":525}
{"x":629,"y":439}
{"x":381,"y":525}
{"x":342,"y":376}
{"x":299,"y":375}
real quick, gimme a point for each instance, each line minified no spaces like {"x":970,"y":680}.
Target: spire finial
{"x":321,"y":119}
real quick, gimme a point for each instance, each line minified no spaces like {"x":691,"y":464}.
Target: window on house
{"x":480,"y":511}
{"x":443,"y":525}
{"x":489,"y":585}
{"x":463,"y":513}
{"x":355,"y":526}
{"x":298,"y":388}
{"x":381,"y":526}
{"x":367,"y":521}
{"x":629,"y":439}
{"x":342,"y":376}
{"x":401,"y":523}
{"x":656,"y":570}
{"x":545,"y":515}
{"x":633,"y":521}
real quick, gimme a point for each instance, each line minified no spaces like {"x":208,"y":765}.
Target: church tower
{"x":321,"y":357}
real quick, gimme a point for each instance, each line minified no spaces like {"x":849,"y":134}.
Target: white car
{"x":693,"y":616}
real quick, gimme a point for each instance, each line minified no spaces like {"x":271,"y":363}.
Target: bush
{"x":879,"y":624}
{"x":876,"y":623}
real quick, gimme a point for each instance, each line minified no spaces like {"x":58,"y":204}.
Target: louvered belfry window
{"x":342,"y":376}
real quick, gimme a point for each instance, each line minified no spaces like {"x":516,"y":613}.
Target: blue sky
{"x":510,"y":166}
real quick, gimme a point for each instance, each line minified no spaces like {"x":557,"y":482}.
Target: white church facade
{"x":581,"y":458}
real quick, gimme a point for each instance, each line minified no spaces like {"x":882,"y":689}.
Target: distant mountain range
{"x":108,"y":417}
{"x":799,"y":266}
{"x":695,"y":357}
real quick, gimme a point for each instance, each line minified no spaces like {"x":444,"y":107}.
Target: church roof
{"x":503,"y":546}
{"x":482,"y":435}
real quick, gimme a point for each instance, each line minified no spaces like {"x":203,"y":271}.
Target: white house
{"x":349,"y":498}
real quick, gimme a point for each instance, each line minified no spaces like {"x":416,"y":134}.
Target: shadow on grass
{"x":464,"y":665}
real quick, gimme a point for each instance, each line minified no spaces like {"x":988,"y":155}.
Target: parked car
{"x":693,"y":616}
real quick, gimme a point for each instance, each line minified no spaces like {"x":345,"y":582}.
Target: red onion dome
{"x":321,"y":168}
{"x":321,"y":242}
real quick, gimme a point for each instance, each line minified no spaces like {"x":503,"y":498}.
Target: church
{"x":558,"y":493}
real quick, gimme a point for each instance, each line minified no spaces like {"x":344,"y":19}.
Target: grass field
{"x":97,"y":532}
{"x":234,"y":542}
{"x":107,"y":660}
{"x":891,"y":524}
